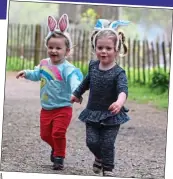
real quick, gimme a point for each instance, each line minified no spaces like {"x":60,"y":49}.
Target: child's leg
{"x":46,"y":126}
{"x":61,"y":121}
{"x":93,"y":143}
{"x":93,"y":139}
{"x":108,"y":136}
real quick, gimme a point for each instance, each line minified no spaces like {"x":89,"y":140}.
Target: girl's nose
{"x":104,"y":50}
{"x":53,"y":50}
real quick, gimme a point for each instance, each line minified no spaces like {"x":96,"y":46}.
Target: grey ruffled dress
{"x":104,"y":86}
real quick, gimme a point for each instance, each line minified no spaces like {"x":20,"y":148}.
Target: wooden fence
{"x":26,"y":46}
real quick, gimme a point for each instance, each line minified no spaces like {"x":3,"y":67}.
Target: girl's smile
{"x":105,"y":50}
{"x":57,"y":49}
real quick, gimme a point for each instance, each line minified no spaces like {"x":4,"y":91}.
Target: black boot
{"x":58,"y":163}
{"x":97,"y":166}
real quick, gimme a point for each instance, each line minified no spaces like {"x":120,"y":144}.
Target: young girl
{"x":58,"y":79}
{"x":105,"y":110}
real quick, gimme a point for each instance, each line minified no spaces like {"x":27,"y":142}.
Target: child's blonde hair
{"x":111,"y":34}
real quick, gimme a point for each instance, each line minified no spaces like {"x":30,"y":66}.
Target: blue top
{"x":104,"y":86}
{"x":58,"y":82}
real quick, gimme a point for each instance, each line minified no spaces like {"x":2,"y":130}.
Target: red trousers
{"x":53,"y":127}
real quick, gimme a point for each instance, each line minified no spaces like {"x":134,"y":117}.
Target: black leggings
{"x":101,"y":140}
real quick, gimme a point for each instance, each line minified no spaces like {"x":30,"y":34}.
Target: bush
{"x":160,"y":82}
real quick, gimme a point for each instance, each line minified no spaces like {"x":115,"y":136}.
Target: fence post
{"x":169,"y":46}
{"x":83,"y":55}
{"x":164,"y":55}
{"x":149,"y":61}
{"x":128,"y":59}
{"x":144,"y":62}
{"x":37,"y":45}
{"x":134,"y":61}
{"x":153,"y":56}
{"x":158,"y":55}
{"x":138,"y":60}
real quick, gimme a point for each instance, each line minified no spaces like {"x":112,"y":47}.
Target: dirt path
{"x":140,"y":149}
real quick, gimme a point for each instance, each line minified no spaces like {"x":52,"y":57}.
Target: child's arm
{"x":75,"y":80}
{"x":82,"y":87}
{"x":33,"y":75}
{"x":74,"y":83}
{"x":122,"y":89}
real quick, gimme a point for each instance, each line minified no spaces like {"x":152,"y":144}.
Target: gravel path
{"x":140,"y":149}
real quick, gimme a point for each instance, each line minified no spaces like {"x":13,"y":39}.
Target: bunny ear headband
{"x":103,"y":24}
{"x":60,"y":27}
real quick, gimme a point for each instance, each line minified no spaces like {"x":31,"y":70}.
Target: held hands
{"x":115,"y":107}
{"x":20,"y":74}
{"x":75,"y":99}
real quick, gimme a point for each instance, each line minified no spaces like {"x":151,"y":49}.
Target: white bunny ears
{"x":60,"y":27}
{"x":103,"y":24}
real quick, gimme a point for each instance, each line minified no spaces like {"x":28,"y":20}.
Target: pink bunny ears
{"x":58,"y":27}
{"x":61,"y":26}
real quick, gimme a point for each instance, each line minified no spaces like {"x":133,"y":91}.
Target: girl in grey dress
{"x":108,"y":86}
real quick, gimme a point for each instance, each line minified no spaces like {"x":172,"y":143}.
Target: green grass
{"x":144,"y":94}
{"x":16,"y":64}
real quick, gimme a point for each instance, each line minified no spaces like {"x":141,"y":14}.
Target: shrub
{"x":160,"y":81}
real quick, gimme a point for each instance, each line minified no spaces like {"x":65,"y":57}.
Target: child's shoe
{"x":108,"y":173}
{"x":58,"y":163}
{"x":97,"y":166}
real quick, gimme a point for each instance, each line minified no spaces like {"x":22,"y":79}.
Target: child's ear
{"x":67,"y":51}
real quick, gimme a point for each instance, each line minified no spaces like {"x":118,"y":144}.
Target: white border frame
{"x":3,"y":42}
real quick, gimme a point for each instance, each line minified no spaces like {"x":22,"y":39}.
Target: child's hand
{"x":75,"y":99}
{"x":20,"y":74}
{"x":115,"y":107}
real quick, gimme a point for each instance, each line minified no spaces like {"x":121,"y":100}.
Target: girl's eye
{"x":58,"y":48}
{"x":99,"y":48}
{"x":50,"y":47}
{"x":109,"y":48}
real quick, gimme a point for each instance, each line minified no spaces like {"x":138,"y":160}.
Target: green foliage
{"x":160,"y":82}
{"x":88,"y":19}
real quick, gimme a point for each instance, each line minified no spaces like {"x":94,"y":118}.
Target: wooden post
{"x":158,"y":55}
{"x":134,"y":61}
{"x":153,"y":55}
{"x":138,"y":60}
{"x":148,"y":56}
{"x":128,"y":58}
{"x":143,"y":64}
{"x":169,"y":54}
{"x":37,"y":45}
{"x":164,"y":55}
{"x":83,"y":51}
{"x":24,"y":44}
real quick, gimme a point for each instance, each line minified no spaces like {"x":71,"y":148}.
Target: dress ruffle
{"x":104,"y":117}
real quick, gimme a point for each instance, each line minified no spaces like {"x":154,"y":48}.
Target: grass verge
{"x":144,"y":94}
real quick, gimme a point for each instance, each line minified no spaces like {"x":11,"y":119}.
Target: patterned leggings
{"x":101,"y":140}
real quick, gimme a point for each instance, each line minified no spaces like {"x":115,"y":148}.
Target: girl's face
{"x":57,"y":49}
{"x":105,"y":50}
